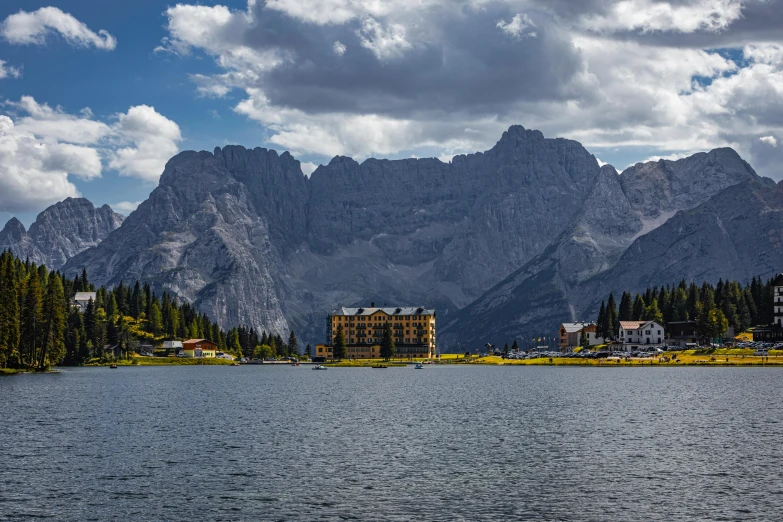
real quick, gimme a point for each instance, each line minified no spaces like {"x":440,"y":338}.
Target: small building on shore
{"x":571,"y":335}
{"x":634,"y":334}
{"x":199,"y":348}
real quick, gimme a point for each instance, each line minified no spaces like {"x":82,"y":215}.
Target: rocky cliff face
{"x":553,"y":287}
{"x":60,"y":232}
{"x":247,"y":238}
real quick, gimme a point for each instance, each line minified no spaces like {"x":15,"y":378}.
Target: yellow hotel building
{"x":413,"y":329}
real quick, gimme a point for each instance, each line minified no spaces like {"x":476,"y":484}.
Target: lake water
{"x":443,"y":443}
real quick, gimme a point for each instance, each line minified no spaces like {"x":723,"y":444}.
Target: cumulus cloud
{"x":32,"y":28}
{"x":769,"y":140}
{"x":658,"y":16}
{"x":518,"y":27}
{"x":7,"y":71}
{"x":41,"y":147}
{"x":125,"y":207}
{"x":32,"y":175}
{"x":437,"y":77}
{"x":152,"y":140}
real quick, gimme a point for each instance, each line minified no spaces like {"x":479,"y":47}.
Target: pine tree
{"x":52,"y":345}
{"x":338,"y":350}
{"x":612,"y":319}
{"x":309,"y":351}
{"x":638,"y":308}
{"x":9,"y":312}
{"x":515,"y":346}
{"x":653,"y":313}
{"x":506,"y":349}
{"x":626,"y":308}
{"x":155,"y":320}
{"x":32,"y":323}
{"x":387,"y":344}
{"x":293,"y":345}
{"x":601,"y":323}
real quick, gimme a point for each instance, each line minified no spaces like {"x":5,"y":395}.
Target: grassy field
{"x":9,"y":371}
{"x":684,"y":358}
{"x":165,"y":361}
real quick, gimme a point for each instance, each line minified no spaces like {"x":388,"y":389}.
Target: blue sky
{"x":388,"y":79}
{"x":111,"y":82}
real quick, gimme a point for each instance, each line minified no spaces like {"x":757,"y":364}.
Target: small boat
{"x":380,"y":366}
{"x":419,"y":366}
{"x":319,"y":367}
{"x":113,"y":366}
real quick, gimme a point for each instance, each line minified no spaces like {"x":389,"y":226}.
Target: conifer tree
{"x":338,"y":350}
{"x":601,"y":323}
{"x":293,"y":345}
{"x":515,"y":346}
{"x":638,"y":308}
{"x":626,"y":308}
{"x":387,"y":343}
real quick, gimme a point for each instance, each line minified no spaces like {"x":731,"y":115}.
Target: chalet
{"x":571,"y":335}
{"x":635,"y":333}
{"x":81,"y":299}
{"x":198,"y":348}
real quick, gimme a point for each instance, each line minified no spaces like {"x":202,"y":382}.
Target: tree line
{"x":715,"y":308}
{"x":40,"y":328}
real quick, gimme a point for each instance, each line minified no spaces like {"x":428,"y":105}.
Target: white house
{"x":176,"y":345}
{"x":635,"y":333}
{"x":81,"y":299}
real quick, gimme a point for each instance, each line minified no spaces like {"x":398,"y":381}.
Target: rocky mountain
{"x":247,"y":238}
{"x":734,"y":234}
{"x":60,"y":232}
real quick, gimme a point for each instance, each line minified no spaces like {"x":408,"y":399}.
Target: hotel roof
{"x":388,"y":311}
{"x":575,"y":327}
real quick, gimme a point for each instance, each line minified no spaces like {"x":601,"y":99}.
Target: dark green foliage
{"x":387,"y":344}
{"x":338,"y":350}
{"x":711,"y":306}
{"x":39,"y":328}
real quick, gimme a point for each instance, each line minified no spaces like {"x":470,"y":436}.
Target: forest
{"x":39,"y":328}
{"x":715,"y":308}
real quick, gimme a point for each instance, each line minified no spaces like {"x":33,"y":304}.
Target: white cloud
{"x":658,"y":16}
{"x":384,"y":42}
{"x":31,"y":176}
{"x":769,"y":140}
{"x":518,"y":27}
{"x":307,"y":167}
{"x":7,"y":71}
{"x":125,"y":207}
{"x":32,"y":28}
{"x":55,"y":124}
{"x":152,"y":140}
{"x":637,"y":75}
{"x":41,"y":147}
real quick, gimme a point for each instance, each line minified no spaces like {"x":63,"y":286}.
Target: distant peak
{"x":14,"y":227}
{"x":516,"y":132}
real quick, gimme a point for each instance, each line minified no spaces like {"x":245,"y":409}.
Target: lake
{"x":443,"y":443}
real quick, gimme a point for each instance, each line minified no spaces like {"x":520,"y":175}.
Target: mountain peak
{"x":14,"y":228}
